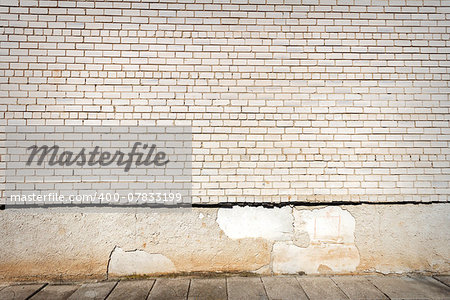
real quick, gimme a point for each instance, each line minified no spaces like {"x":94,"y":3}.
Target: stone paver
{"x":96,"y":291}
{"x":432,"y":288}
{"x":56,"y":292}
{"x":265,"y":287}
{"x":405,"y":287}
{"x":283,"y":288}
{"x":209,"y":288}
{"x":170,"y":288}
{"x":358,"y":287}
{"x":321,"y":288}
{"x":444,"y":279}
{"x":245,"y":288}
{"x":131,"y":290}
{"x":19,"y":292}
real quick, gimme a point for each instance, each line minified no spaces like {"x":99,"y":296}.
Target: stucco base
{"x":313,"y":240}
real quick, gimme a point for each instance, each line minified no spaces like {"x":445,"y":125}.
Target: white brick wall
{"x":289,"y":100}
{"x":116,"y":177}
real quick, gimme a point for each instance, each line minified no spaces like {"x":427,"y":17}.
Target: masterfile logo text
{"x":84,"y":165}
{"x":101,"y":158}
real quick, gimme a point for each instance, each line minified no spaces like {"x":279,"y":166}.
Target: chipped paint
{"x":138,"y":262}
{"x":256,"y":222}
{"x":291,"y":259}
{"x":331,"y":243}
{"x":331,"y":224}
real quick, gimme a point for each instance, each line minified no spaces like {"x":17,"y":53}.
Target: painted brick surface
{"x":294,"y":100}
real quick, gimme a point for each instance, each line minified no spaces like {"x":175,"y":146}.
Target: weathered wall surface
{"x":314,"y":240}
{"x":289,"y":100}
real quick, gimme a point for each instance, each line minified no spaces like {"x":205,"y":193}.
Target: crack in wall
{"x":309,"y":203}
{"x":233,"y":204}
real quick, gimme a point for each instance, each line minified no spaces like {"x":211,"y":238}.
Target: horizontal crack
{"x":227,"y":204}
{"x":305,"y":203}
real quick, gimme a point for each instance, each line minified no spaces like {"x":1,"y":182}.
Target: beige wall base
{"x":288,"y":240}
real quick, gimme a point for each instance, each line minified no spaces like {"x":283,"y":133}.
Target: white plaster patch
{"x":332,"y":244}
{"x":291,"y":259}
{"x":256,"y":222}
{"x":138,"y":262}
{"x":331,"y":224}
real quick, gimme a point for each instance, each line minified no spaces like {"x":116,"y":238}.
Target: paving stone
{"x":243,"y":288}
{"x":132,"y":290}
{"x":98,"y":290}
{"x":444,"y":279}
{"x":56,"y":292}
{"x":283,"y":288}
{"x":321,"y":288}
{"x":431,"y":287}
{"x":170,"y":288}
{"x":19,"y":292}
{"x":398,"y":287}
{"x":269,"y":287}
{"x":208,"y":288}
{"x":358,"y":287}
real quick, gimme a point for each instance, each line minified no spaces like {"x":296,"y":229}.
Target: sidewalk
{"x":278,"y":287}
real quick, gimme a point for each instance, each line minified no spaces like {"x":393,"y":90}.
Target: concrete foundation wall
{"x":314,"y":240}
